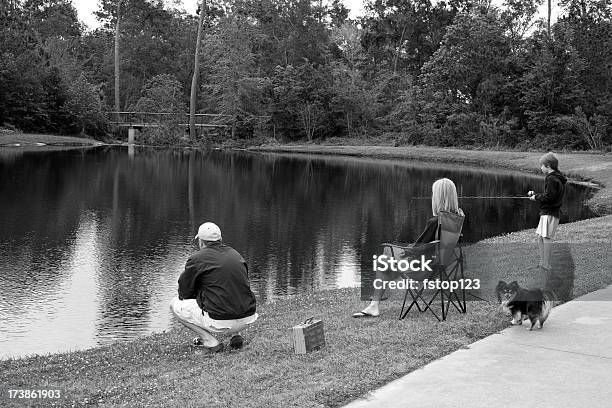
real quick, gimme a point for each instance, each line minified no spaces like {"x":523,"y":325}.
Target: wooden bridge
{"x":140,"y":120}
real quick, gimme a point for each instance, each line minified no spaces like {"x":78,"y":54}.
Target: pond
{"x":92,"y":241}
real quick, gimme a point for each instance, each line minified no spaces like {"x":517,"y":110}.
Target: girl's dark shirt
{"x":429,"y":233}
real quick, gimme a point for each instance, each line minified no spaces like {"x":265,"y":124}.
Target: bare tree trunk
{"x":348,"y":124}
{"x":549,"y":10}
{"x":399,"y":47}
{"x":117,"y":100}
{"x":196,"y":73}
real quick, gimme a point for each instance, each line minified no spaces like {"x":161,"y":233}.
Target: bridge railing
{"x":153,"y":119}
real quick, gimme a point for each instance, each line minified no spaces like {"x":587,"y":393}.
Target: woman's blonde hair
{"x":444,"y":197}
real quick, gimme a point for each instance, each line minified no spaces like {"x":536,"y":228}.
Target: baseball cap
{"x":209,"y":231}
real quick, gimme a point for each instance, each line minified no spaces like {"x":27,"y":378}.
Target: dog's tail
{"x":547,"y":304}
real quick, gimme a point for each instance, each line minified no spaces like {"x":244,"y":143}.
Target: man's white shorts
{"x":189,"y":311}
{"x":547,"y":226}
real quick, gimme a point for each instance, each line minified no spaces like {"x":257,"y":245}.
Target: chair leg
{"x":442,"y":302}
{"x":418,"y":295}
{"x":456,"y":302}
{"x":415,"y":298}
{"x":452,"y":296}
{"x":402,"y":315}
{"x":428,"y":305}
{"x":460,"y":262}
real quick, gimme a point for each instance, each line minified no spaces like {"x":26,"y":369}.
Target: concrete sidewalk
{"x":567,"y":364}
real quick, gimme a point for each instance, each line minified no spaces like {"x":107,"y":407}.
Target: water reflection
{"x":92,"y":241}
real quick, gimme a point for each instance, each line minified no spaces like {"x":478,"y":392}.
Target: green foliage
{"x":354,"y":102}
{"x":233,"y":86}
{"x":400,"y":36}
{"x":154,"y":40}
{"x":472,"y":61}
{"x":465,"y":80}
{"x":162,"y":94}
{"x":591,"y":130}
{"x":84,"y":109}
{"x":42,"y":84}
{"x":443,"y":73}
{"x":301,"y":101}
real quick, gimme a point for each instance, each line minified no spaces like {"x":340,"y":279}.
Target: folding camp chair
{"x":446,"y":265}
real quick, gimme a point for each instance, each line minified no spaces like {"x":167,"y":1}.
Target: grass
{"x":163,"y":370}
{"x":586,"y":244}
{"x":361,"y":354}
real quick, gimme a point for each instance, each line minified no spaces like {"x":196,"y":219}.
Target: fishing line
{"x":481,"y":197}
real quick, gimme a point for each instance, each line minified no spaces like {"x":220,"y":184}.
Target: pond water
{"x":92,"y":241}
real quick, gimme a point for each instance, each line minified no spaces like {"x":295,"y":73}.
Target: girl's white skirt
{"x":547,"y":226}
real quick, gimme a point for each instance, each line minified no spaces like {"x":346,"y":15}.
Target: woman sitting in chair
{"x":444,"y":198}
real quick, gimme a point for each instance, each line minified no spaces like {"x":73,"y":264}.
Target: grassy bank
{"x":42,"y":142}
{"x":361,"y":354}
{"x":162,"y":370}
{"x":593,"y":167}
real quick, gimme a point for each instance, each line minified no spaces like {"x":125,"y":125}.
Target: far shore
{"x":588,"y":168}
{"x":22,"y":142}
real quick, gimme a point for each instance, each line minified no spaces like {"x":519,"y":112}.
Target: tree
{"x":354,"y":100}
{"x":196,"y":73}
{"x":117,"y":93}
{"x":473,"y":54}
{"x":153,"y":40}
{"x":548,"y":19}
{"x":38,"y":63}
{"x":163,"y":94}
{"x":467,"y":74}
{"x":550,"y":85}
{"x":83,"y":107}
{"x":347,"y":38}
{"x":301,"y":98}
{"x":402,"y":35}
{"x":518,"y":17}
{"x":233,"y":85}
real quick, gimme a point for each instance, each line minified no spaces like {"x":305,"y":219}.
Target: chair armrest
{"x":387,"y":244}
{"x":395,"y":248}
{"x":411,"y":250}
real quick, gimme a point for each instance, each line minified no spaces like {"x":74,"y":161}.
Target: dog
{"x":534,"y":304}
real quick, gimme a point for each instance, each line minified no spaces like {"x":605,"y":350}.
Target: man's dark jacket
{"x":217,"y":277}
{"x":552,"y":197}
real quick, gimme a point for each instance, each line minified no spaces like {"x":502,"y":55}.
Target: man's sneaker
{"x":236,"y":342}
{"x":197,"y":342}
{"x":216,"y":349}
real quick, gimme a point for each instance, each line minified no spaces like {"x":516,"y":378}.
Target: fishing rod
{"x":481,"y":197}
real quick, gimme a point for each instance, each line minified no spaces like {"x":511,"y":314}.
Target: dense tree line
{"x":455,"y":72}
